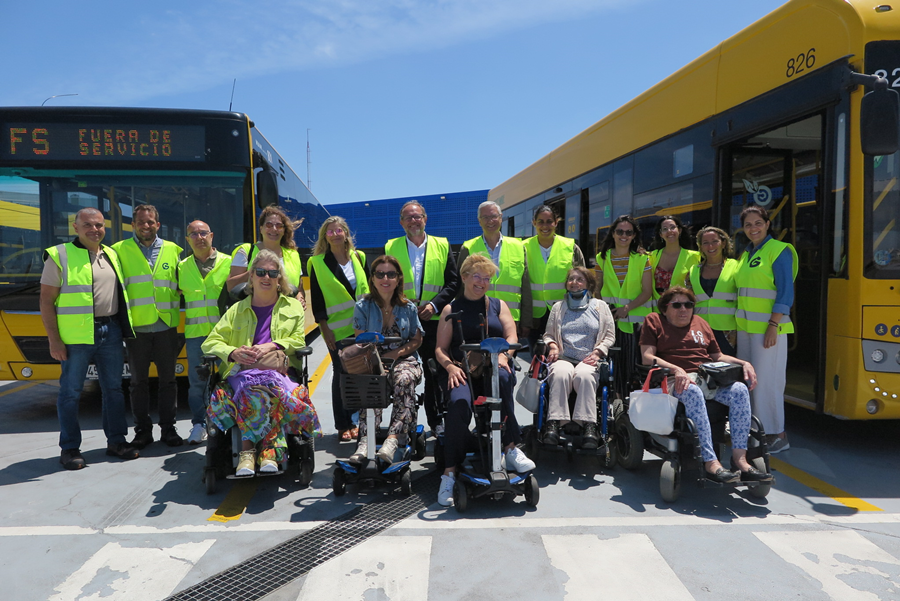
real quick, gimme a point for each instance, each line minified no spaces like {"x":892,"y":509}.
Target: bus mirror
{"x":266,"y":188}
{"x":879,"y":122}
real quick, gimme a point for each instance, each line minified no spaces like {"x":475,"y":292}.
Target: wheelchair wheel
{"x":532,"y":491}
{"x":338,"y":482}
{"x":406,"y":482}
{"x":760,"y":491}
{"x":628,"y":440}
{"x":460,"y":496}
{"x":209,"y":478}
{"x":670,"y":480}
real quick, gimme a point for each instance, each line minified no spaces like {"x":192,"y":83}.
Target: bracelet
{"x":774,"y":323}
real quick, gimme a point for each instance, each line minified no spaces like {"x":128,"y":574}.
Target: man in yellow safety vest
{"x":430,"y":280}
{"x":149,"y":264}
{"x":85,"y":314}
{"x":201,"y":278}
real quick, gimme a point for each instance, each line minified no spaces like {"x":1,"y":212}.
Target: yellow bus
{"x":209,"y":165}
{"x":770,"y":116}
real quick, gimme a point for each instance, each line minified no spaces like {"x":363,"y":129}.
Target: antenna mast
{"x":230,"y":102}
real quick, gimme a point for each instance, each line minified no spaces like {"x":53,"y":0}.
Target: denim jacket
{"x":367,"y":317}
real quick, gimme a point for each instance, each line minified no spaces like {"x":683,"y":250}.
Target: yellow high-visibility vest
{"x":151,"y":295}
{"x":201,"y":294}
{"x":620,"y":295}
{"x":436,"y":254}
{"x":548,"y":280}
{"x":718,"y":310}
{"x":338,"y":304}
{"x":755,"y":281}
{"x":507,"y":284}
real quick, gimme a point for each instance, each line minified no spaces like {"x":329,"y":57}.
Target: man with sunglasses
{"x":201,"y":279}
{"x":430,"y":280}
{"x":149,"y":264}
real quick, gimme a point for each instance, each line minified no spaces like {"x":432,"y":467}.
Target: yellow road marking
{"x":242,"y":492}
{"x":28,"y":385}
{"x":236,"y":501}
{"x":821,"y":486}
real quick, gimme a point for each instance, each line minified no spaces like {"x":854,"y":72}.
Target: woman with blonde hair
{"x":276,"y":233}
{"x":338,"y":278}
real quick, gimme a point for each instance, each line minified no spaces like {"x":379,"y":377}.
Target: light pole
{"x":57,"y":96}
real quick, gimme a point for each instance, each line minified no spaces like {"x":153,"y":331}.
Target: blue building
{"x":374,"y":222}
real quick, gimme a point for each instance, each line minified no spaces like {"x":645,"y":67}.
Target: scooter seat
{"x":495,"y":345}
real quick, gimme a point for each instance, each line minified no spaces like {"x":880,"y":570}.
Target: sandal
{"x":354,"y":432}
{"x":345,"y":435}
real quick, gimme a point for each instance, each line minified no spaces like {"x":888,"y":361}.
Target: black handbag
{"x":720,"y":374}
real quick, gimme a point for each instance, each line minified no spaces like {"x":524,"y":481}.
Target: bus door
{"x":781,"y":170}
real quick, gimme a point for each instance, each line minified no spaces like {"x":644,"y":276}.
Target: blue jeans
{"x":197,"y":392}
{"x":107,"y":354}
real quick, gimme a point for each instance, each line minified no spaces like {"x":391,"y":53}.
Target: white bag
{"x":653,"y":410}
{"x":529,"y":392}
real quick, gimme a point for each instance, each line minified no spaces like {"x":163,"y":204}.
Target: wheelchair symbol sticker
{"x":882,"y":257}
{"x":895,"y":331}
{"x":759,"y":194}
{"x":881,"y":329}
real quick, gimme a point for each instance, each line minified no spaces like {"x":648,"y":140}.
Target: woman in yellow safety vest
{"x":338,"y":277}
{"x":549,"y":257}
{"x":276,"y":233}
{"x":765,"y":280}
{"x":670,"y":255}
{"x":713,"y":283}
{"x":626,"y":287}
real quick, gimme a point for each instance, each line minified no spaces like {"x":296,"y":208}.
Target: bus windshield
{"x":882,"y":235}
{"x":37,"y":209}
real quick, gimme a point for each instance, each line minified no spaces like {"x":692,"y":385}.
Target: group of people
{"x":673,"y":306}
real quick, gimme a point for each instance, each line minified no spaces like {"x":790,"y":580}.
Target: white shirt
{"x":348,"y":271}
{"x":417,"y":260}
{"x":545,"y":252}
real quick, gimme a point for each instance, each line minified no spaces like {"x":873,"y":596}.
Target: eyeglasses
{"x":687,"y":305}
{"x":274,"y":226}
{"x":621,"y":232}
{"x":196,"y":235}
{"x":391,"y":275}
{"x":481,"y":279}
{"x":413,"y":217}
{"x":272,"y":273}
{"x":490,"y":217}
{"x":335,"y":232}
{"x":92,"y":226}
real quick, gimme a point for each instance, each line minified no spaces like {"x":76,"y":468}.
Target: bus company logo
{"x":755,"y":262}
{"x":759,"y":194}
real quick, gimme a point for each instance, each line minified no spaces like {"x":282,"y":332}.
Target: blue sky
{"x":401,"y":97}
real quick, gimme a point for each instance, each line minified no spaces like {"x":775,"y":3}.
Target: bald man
{"x":201,"y":278}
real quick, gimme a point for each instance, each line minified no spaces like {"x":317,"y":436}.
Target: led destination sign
{"x":100,"y":142}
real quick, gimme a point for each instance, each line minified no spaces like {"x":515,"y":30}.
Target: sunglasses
{"x":272,"y":273}
{"x":621,"y":232}
{"x":687,"y":305}
{"x":391,"y":275}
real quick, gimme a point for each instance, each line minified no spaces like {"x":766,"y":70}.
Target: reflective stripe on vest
{"x":719,"y":310}
{"x":548,"y":280}
{"x":201,"y":294}
{"x":755,"y":280}
{"x":339,"y":304}
{"x":686,"y":260}
{"x":290,"y":260}
{"x":507,"y":284}
{"x":436,"y":252}
{"x":75,"y":303}
{"x":153,"y":295}
{"x":620,"y":295}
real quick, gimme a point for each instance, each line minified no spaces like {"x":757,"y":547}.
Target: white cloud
{"x":204,"y":45}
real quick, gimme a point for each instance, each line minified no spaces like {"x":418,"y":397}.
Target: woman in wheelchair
{"x":677,"y":339}
{"x":476,"y":273}
{"x":388,"y":311}
{"x":259,"y":400}
{"x":580,"y":331}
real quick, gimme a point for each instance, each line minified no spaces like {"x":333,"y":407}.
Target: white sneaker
{"x":517,"y":461}
{"x":387,"y":450}
{"x":198,"y":434}
{"x":778,"y":445}
{"x":268,"y":466}
{"x":445,"y":493}
{"x":362,"y":449}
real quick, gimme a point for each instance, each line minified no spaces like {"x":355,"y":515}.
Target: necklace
{"x":715,"y":264}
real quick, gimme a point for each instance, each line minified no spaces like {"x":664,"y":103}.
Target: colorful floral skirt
{"x":264,"y":405}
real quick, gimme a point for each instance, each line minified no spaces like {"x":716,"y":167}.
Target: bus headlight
{"x":872,"y":407}
{"x":877,"y":355}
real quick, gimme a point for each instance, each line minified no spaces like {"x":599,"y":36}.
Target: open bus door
{"x":781,"y":170}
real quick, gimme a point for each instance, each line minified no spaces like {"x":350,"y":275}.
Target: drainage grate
{"x":259,"y":576}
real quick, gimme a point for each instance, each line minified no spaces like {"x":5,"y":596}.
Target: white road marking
{"x":580,"y":555}
{"x":388,"y":567}
{"x":436,"y":520}
{"x":134,"y":573}
{"x":838,"y":560}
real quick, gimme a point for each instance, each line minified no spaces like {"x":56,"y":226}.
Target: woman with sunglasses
{"x":473,"y":307}
{"x":679,"y":340}
{"x":276,"y":233}
{"x":388,"y":311}
{"x":549,"y":259}
{"x":670,"y":254}
{"x":626,"y":286}
{"x":263,"y":403}
{"x":714,"y":284}
{"x":338,"y":277}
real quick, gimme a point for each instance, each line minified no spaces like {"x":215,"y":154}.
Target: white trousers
{"x":565,"y":377}
{"x":767,"y":399}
